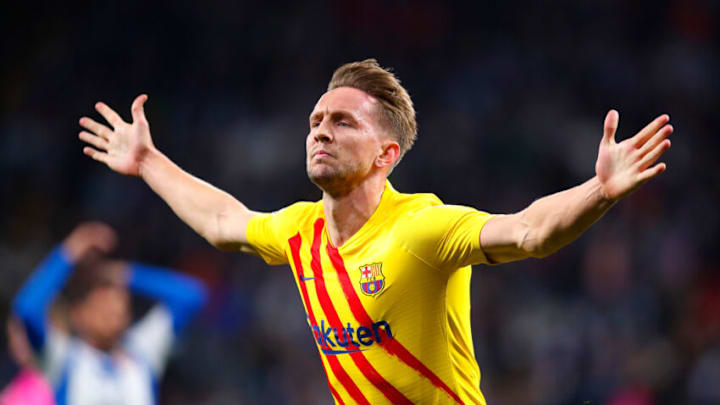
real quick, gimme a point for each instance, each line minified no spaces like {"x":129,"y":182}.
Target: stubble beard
{"x":335,"y":181}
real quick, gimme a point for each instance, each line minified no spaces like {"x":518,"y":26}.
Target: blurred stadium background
{"x":510,"y":99}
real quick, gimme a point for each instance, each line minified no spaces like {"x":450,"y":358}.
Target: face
{"x":103,"y":315}
{"x":345,"y":143}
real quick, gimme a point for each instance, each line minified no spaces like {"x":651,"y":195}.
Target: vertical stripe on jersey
{"x":392,"y":346}
{"x":390,"y":392}
{"x":295,"y":244}
{"x":334,"y":393}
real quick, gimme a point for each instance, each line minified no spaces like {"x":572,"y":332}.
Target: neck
{"x":100,"y":344}
{"x":345,"y":214}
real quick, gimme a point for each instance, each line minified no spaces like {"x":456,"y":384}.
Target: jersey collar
{"x":376,"y":219}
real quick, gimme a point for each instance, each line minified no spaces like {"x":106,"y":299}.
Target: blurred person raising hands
{"x":106,"y":359}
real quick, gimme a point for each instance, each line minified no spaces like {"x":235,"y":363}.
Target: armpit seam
{"x":415,"y":255}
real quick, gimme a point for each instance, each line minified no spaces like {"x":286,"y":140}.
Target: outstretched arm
{"x":127,"y":148}
{"x":558,"y":219}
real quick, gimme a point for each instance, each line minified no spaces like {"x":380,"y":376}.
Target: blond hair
{"x":396,"y":112}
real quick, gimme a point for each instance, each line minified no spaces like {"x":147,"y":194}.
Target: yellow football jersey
{"x":389,"y":309}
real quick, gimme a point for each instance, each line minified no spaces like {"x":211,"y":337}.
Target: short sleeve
{"x":262,"y":236}
{"x":446,"y":236}
{"x":268,"y":233}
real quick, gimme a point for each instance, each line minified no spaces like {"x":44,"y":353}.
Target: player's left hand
{"x":623,"y":167}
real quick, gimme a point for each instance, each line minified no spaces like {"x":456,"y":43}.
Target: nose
{"x":321,"y":137}
{"x":322,"y":133}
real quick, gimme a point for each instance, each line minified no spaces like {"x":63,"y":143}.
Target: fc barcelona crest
{"x":372,"y":280}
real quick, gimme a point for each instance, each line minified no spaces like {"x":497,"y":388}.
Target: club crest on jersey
{"x":372,"y":280}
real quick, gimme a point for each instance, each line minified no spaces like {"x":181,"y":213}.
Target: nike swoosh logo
{"x":307,"y":278}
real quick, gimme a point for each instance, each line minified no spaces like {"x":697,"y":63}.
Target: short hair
{"x":90,"y":272}
{"x":397,"y":111}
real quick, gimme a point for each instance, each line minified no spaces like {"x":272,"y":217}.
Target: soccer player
{"x":107,"y":361}
{"x":384,"y":276}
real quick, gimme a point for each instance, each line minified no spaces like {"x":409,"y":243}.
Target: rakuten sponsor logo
{"x":334,"y":341}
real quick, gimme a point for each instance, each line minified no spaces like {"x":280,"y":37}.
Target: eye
{"x":343,"y":123}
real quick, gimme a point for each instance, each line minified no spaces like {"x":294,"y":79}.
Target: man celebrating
{"x":384,"y":276}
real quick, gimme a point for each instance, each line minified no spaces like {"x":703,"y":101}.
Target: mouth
{"x":321,"y":153}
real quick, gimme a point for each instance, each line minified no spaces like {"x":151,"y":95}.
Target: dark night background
{"x":511,"y":98}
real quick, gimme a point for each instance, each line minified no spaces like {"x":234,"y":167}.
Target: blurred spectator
{"x":29,"y":386}
{"x":105,"y":359}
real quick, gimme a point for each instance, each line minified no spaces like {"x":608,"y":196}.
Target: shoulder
{"x":297,"y":214}
{"x":413,"y":214}
{"x":435,"y":221}
{"x":299,"y":209}
{"x":279,"y":224}
{"x":413,"y":203}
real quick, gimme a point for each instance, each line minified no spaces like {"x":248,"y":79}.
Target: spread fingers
{"x":94,"y":140}
{"x":95,"y":127}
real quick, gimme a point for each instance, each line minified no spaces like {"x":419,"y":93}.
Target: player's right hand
{"x":122,"y":146}
{"x":89,"y":236}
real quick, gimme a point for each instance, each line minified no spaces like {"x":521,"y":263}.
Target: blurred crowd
{"x":510,"y":99}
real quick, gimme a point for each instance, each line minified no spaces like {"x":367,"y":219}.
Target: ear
{"x":389,"y":154}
